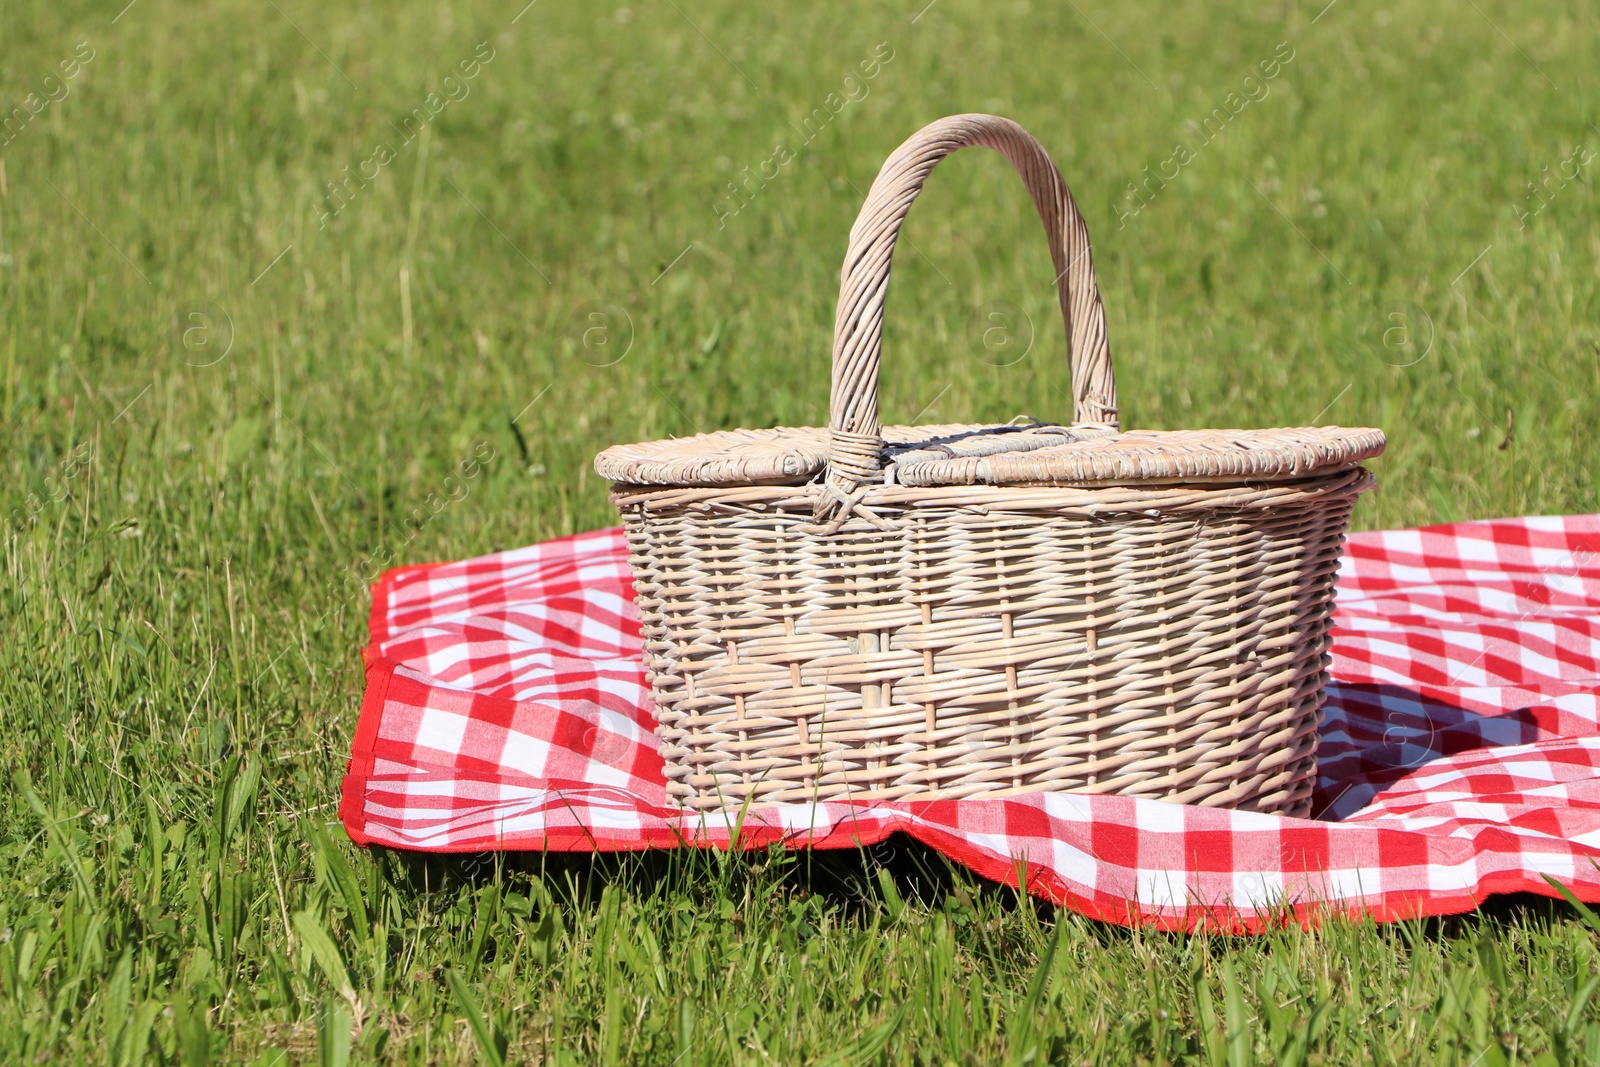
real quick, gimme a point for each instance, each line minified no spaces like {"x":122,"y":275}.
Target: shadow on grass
{"x":848,"y":878}
{"x":896,"y":873}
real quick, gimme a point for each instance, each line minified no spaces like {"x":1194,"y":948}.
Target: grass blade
{"x":323,"y":951}
{"x":891,"y":895}
{"x":333,"y":1035}
{"x":491,"y":1044}
{"x":1240,"y":1046}
{"x":1585,"y":912}
{"x":344,"y":881}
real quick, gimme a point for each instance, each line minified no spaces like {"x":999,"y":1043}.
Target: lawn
{"x":270,"y":272}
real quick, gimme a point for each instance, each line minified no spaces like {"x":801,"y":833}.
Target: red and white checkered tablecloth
{"x":507,"y":708}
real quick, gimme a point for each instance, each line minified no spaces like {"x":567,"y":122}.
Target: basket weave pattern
{"x":1025,"y":616}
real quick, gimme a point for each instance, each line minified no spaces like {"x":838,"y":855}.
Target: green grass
{"x":183,"y":594}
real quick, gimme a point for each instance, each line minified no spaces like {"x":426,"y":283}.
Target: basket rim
{"x":960,"y":454}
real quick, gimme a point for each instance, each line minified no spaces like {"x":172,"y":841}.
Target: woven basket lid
{"x":854,"y":451}
{"x":998,"y":455}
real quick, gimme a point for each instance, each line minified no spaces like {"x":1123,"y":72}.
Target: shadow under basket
{"x":898,"y":613}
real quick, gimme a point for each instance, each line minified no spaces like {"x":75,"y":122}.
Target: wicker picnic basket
{"x":926,"y":612}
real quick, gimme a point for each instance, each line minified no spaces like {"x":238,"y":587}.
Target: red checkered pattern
{"x":507,"y":708}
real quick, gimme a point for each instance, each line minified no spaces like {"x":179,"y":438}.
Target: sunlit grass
{"x":255,"y":314}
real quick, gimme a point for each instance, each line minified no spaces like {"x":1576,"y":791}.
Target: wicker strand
{"x":864,"y":281}
{"x":854,"y":454}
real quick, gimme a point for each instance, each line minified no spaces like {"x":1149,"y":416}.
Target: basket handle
{"x":854,"y":432}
